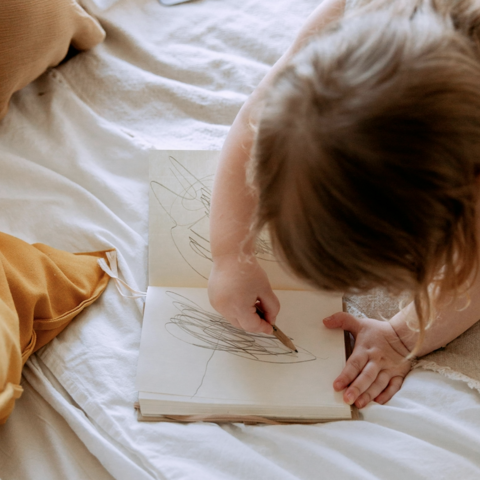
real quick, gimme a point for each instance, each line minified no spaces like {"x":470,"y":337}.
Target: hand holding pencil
{"x":235,"y":287}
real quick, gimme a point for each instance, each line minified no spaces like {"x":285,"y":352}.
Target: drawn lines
{"x":204,"y":373}
{"x":188,"y":205}
{"x":209,"y":330}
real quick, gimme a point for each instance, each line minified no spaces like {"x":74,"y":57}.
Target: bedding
{"x":74,"y":152}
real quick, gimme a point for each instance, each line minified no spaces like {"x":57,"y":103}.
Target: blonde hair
{"x":367,"y":150}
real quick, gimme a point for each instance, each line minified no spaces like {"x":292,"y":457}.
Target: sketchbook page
{"x":179,"y":240}
{"x":189,"y":351}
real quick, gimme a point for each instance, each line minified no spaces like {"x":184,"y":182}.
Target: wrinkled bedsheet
{"x":74,"y":153}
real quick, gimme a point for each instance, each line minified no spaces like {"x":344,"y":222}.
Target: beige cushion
{"x":35,"y":35}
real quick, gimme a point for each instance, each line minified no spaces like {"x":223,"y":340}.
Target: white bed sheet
{"x":74,"y":155}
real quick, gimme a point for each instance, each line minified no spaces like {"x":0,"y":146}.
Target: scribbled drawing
{"x":187,"y":204}
{"x":205,"y":329}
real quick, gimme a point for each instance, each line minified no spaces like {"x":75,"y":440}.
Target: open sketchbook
{"x":192,"y":361}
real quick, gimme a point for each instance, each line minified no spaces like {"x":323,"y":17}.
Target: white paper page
{"x":179,"y":240}
{"x":187,"y":349}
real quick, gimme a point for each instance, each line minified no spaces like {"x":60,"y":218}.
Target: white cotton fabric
{"x":74,"y":155}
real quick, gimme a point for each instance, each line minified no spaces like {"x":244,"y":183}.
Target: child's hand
{"x":377,"y":366}
{"x":236,"y":289}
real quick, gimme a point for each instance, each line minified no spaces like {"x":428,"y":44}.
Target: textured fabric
{"x":35,"y":35}
{"x":376,"y":304}
{"x":459,"y":360}
{"x":41,"y":290}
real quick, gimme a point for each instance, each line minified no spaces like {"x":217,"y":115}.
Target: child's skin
{"x":377,"y":366}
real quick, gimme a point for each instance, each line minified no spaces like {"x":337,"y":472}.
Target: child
{"x":365,"y":168}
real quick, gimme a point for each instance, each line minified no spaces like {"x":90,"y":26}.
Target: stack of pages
{"x":195,"y":363}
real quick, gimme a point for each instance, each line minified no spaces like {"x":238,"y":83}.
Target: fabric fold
{"x":41,"y":290}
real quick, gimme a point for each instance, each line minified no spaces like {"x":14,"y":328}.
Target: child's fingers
{"x":251,"y":322}
{"x":361,"y":384}
{"x":270,"y":306}
{"x":377,"y":387}
{"x":393,"y":387}
{"x":345,"y":321}
{"x":355,"y":364}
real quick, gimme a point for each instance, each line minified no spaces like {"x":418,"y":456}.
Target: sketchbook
{"x":193,"y":364}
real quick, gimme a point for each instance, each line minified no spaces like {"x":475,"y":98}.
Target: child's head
{"x":368,"y":148}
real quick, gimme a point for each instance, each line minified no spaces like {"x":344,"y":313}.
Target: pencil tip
{"x":296,"y":351}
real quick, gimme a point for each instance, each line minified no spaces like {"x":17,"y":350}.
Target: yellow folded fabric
{"x":35,"y":35}
{"x":41,"y":290}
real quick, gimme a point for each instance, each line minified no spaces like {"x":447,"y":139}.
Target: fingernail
{"x":349,"y":397}
{"x":337,"y":385}
{"x":360,"y":404}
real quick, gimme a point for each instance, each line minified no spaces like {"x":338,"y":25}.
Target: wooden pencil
{"x":277,"y":332}
{"x":283,"y":338}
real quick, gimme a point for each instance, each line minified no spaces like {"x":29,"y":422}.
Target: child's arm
{"x":235,"y":285}
{"x":377,"y":366}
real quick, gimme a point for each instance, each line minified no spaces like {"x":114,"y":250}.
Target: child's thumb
{"x":343,"y":320}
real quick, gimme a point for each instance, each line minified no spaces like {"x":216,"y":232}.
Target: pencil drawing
{"x":204,"y":373}
{"x":205,"y":329}
{"x":186,"y":201}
